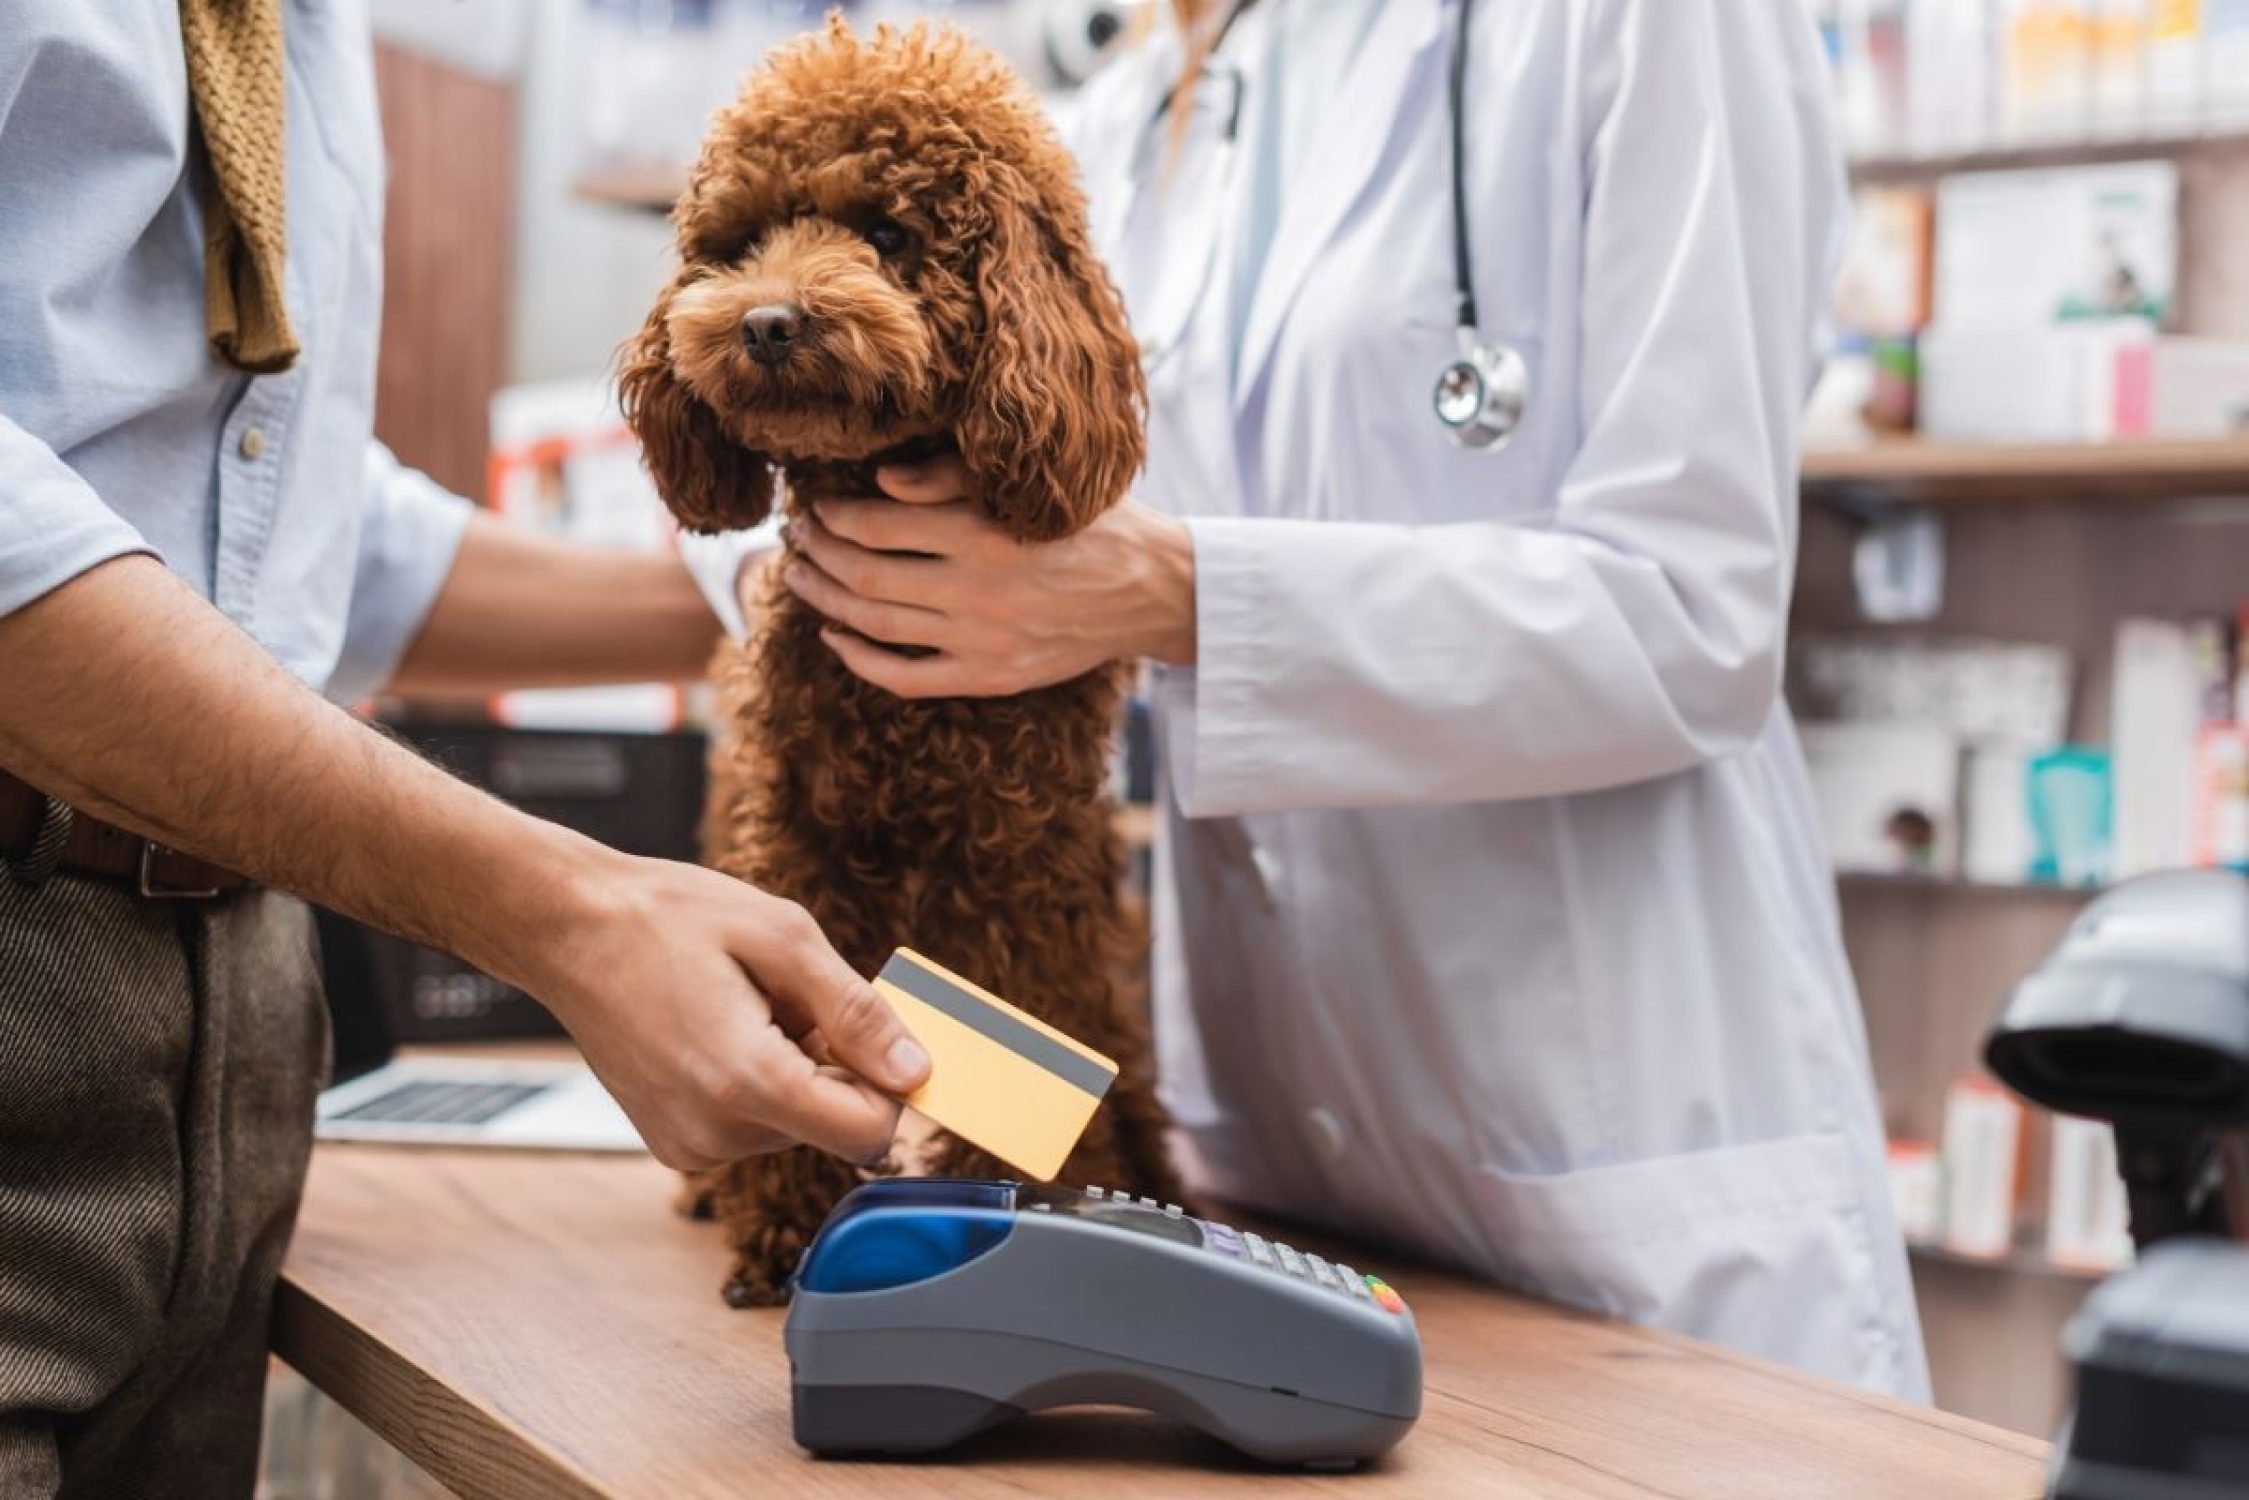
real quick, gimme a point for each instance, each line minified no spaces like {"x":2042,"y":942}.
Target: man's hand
{"x":924,"y":568}
{"x":719,"y":1016}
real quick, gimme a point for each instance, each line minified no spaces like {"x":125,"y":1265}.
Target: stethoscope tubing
{"x":1483,"y":364}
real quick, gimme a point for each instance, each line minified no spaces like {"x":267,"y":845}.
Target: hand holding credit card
{"x":999,"y":1078}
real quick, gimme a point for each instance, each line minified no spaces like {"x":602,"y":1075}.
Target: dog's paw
{"x":747,"y":1288}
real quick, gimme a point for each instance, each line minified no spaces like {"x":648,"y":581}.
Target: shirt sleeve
{"x":409,"y":534}
{"x":1635,"y":630}
{"x":53,"y":526}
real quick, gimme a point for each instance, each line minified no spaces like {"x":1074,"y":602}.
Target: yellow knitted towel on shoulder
{"x":235,"y":82}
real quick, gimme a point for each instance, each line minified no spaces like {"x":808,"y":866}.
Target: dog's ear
{"x":1052,"y":428}
{"x":708,"y":479}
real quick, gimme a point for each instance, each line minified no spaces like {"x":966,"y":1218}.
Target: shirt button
{"x":253,"y":444}
{"x":1325,"y":1132}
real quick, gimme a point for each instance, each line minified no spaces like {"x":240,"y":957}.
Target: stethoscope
{"x":1482,"y":393}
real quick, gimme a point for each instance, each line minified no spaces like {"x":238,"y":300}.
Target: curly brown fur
{"x":906,"y":201}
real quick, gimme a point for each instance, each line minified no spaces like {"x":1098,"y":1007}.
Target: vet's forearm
{"x":522,"y":610}
{"x":129,"y":697}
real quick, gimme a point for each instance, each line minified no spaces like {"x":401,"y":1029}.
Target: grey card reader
{"x":929,"y":1309}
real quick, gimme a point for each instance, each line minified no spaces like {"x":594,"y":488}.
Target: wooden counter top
{"x":541,"y":1326}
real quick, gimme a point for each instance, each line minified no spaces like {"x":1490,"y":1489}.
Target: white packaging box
{"x":1983,"y":691}
{"x":2155,"y":707}
{"x":1982,"y":1146}
{"x":2225,"y":64}
{"x":2175,"y":62}
{"x":1870,"y":78}
{"x":2087,"y":1221}
{"x":2045,"y":69}
{"x":1864,"y":776}
{"x":2120,"y":67}
{"x":1995,"y":843}
{"x":2199,"y":388}
{"x":2069,"y":383}
{"x":1951,"y":71}
{"x":1917,"y":1191}
{"x":2024,"y":249}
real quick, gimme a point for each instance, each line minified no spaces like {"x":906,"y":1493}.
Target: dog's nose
{"x":771,"y":333}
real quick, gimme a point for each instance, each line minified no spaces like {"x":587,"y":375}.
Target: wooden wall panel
{"x":448,"y":246}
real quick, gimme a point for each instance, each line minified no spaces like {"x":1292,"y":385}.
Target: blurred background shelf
{"x":2027,"y":156}
{"x":2007,"y":474}
{"x":1881,"y":881}
{"x":642,"y":189}
{"x":2020,"y":1261}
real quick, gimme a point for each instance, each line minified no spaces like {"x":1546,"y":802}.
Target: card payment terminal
{"x":930,"y":1309}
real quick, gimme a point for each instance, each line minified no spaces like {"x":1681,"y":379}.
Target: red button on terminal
{"x":1385,"y":1296}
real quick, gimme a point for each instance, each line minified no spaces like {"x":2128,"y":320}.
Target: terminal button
{"x":1385,"y":1298}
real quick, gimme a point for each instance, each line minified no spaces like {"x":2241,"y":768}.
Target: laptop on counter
{"x":448,"y":1101}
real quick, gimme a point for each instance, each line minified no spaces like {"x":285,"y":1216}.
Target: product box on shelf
{"x":1983,"y":1145}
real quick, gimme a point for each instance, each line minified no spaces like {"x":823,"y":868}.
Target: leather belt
{"x":93,"y":847}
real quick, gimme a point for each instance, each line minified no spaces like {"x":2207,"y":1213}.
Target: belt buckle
{"x":150,"y":888}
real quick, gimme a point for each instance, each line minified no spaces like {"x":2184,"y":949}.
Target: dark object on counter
{"x":2141,"y":1018}
{"x":2162,"y":1356}
{"x":929,"y":1310}
{"x":642,"y":793}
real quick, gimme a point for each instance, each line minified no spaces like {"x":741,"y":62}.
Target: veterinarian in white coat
{"x":1492,"y":917}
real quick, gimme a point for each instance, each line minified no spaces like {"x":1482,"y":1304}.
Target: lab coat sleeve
{"x":410,"y":532}
{"x":715,"y":561}
{"x":1634,"y":629}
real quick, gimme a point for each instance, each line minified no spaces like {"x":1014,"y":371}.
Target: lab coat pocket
{"x":1763,"y":1248}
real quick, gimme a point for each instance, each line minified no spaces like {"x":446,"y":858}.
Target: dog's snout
{"x":772,"y":332}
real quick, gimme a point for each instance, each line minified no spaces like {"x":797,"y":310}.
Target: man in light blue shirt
{"x":195,"y":565}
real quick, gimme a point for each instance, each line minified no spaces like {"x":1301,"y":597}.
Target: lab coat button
{"x":1325,"y":1132}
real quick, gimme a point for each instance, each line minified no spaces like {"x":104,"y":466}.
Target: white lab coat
{"x":1492,"y":918}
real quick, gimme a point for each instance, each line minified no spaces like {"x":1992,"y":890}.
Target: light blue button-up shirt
{"x":120,"y":431}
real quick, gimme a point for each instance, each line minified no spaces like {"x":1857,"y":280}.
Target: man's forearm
{"x":131,"y":698}
{"x":128,"y":696}
{"x":522,"y":610}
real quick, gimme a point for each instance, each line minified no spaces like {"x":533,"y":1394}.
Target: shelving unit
{"x":2052,"y":543}
{"x":1910,"y":168}
{"x":643,"y":190}
{"x":2023,"y":1260}
{"x":1930,"y":473}
{"x":1947,"y":885}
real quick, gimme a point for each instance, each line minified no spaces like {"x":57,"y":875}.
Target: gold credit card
{"x":998,"y":1078}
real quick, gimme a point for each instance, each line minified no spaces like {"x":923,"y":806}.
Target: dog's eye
{"x":887,"y":237}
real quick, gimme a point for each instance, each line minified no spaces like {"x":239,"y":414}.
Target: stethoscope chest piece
{"x":1482,"y":394}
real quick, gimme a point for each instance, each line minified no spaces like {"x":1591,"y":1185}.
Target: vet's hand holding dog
{"x":923,"y":567}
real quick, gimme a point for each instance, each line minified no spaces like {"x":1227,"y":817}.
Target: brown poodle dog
{"x":884,"y":255}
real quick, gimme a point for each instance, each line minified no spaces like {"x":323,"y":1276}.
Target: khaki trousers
{"x":158,"y":1065}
